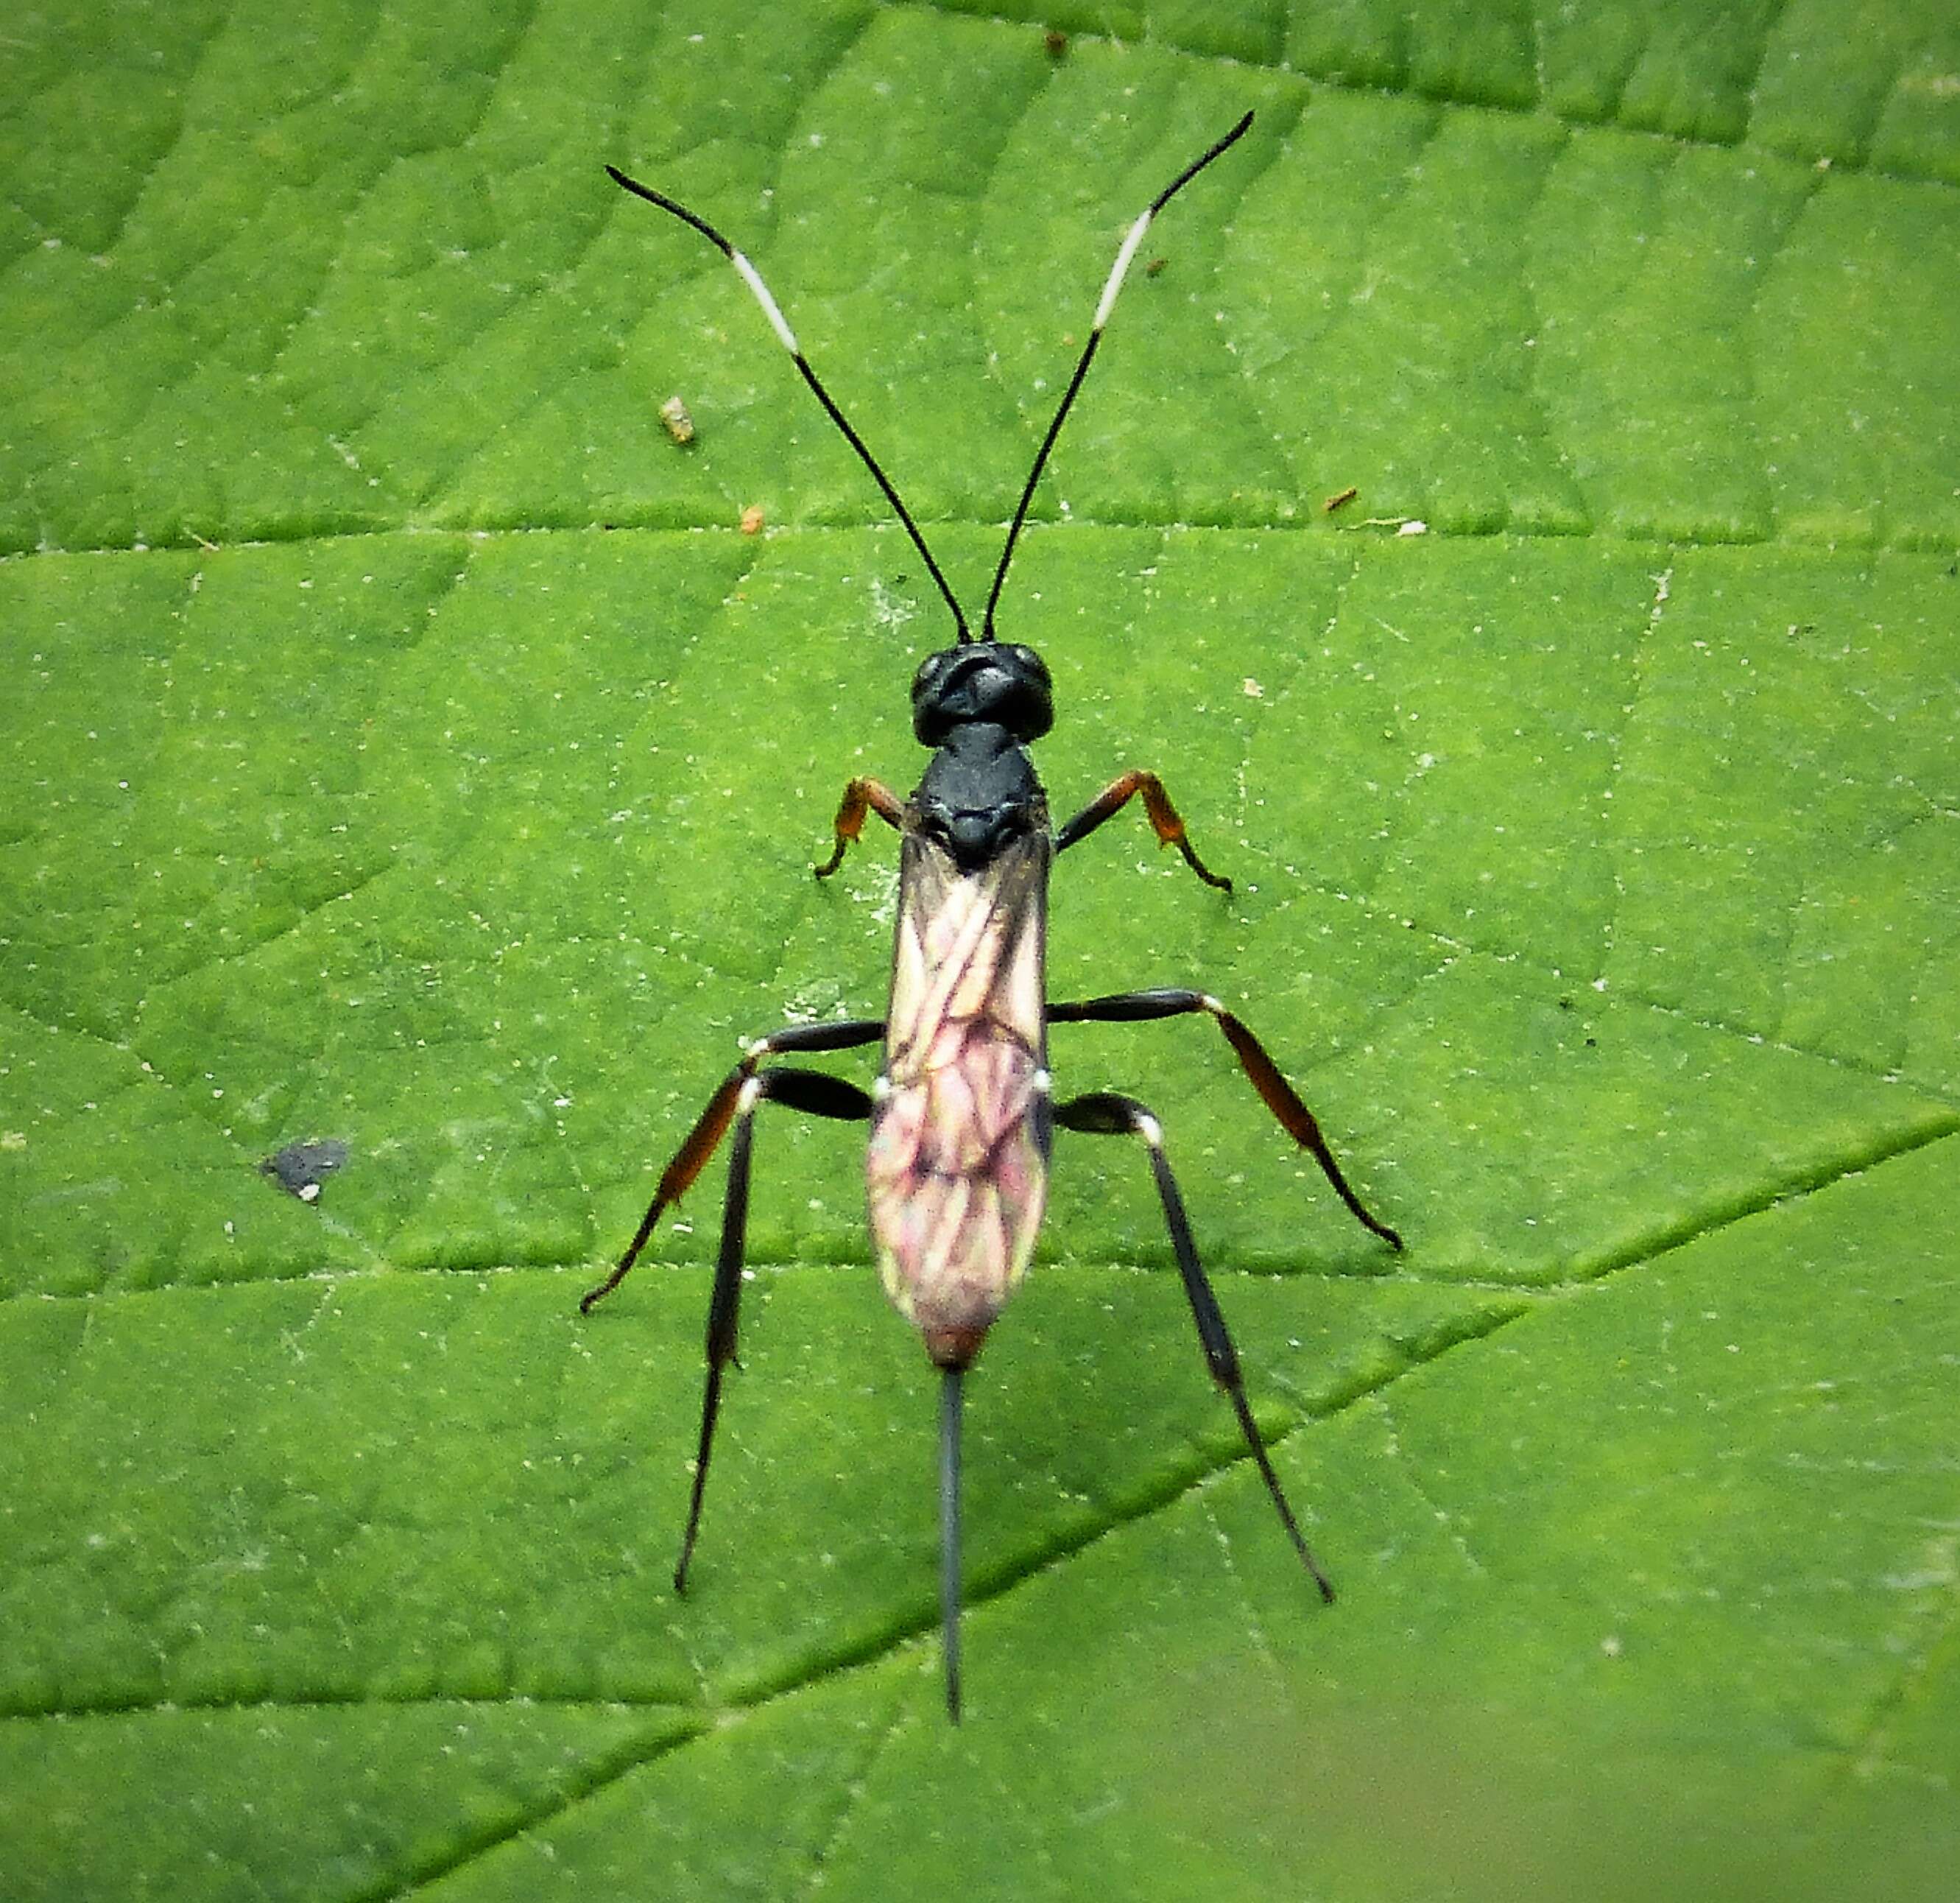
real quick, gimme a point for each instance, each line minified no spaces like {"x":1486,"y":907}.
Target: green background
{"x":401,"y":743}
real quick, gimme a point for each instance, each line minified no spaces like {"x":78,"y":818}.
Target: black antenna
{"x":1124,"y":254}
{"x":771,"y":311}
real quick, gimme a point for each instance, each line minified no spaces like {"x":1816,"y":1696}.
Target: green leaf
{"x":405,"y":748}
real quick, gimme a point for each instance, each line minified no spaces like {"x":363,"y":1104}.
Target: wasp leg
{"x":1130,"y":1008}
{"x":860,"y":796}
{"x":847,"y":1034}
{"x":1163,"y":818}
{"x":1104,"y":1113}
{"x":820,"y":1095}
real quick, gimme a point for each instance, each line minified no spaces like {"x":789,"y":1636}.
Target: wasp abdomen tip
{"x":954,"y":1348}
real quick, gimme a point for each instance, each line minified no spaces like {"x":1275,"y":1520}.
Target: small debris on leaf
{"x":301,"y":1168}
{"x":680,"y":425}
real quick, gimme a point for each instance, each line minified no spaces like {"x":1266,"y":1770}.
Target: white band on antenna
{"x":768,"y":303}
{"x":1121,"y":266}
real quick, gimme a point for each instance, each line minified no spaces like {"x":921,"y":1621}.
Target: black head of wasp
{"x":962,"y":1116}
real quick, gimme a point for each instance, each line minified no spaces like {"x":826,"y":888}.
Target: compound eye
{"x":1028,"y":666}
{"x":930,"y":670}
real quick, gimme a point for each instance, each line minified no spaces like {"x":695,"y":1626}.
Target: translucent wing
{"x":957,"y":1166}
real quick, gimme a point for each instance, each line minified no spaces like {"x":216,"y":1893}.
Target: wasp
{"x":962,"y":1114}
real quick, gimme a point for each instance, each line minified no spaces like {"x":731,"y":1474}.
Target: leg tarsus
{"x":723,"y":1312}
{"x":820,"y":1094}
{"x":1105,"y":1113}
{"x":1236,"y":1394}
{"x":1164,"y":818}
{"x":1295,"y":1117}
{"x":689,"y":1161}
{"x":859,"y":797}
{"x":1280,"y":1097}
{"x":710,"y":1406}
{"x":841,"y":1034}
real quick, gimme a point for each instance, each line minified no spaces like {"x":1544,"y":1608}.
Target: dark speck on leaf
{"x":301,"y":1168}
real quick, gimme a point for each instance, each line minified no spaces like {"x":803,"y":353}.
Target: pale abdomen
{"x":957,"y":1169}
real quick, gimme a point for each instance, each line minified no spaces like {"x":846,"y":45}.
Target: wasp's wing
{"x":958,"y":1167}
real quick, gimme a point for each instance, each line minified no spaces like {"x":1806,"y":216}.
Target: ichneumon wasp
{"x":962,"y":1116}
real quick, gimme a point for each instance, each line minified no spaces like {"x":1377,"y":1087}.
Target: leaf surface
{"x":405,"y":748}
